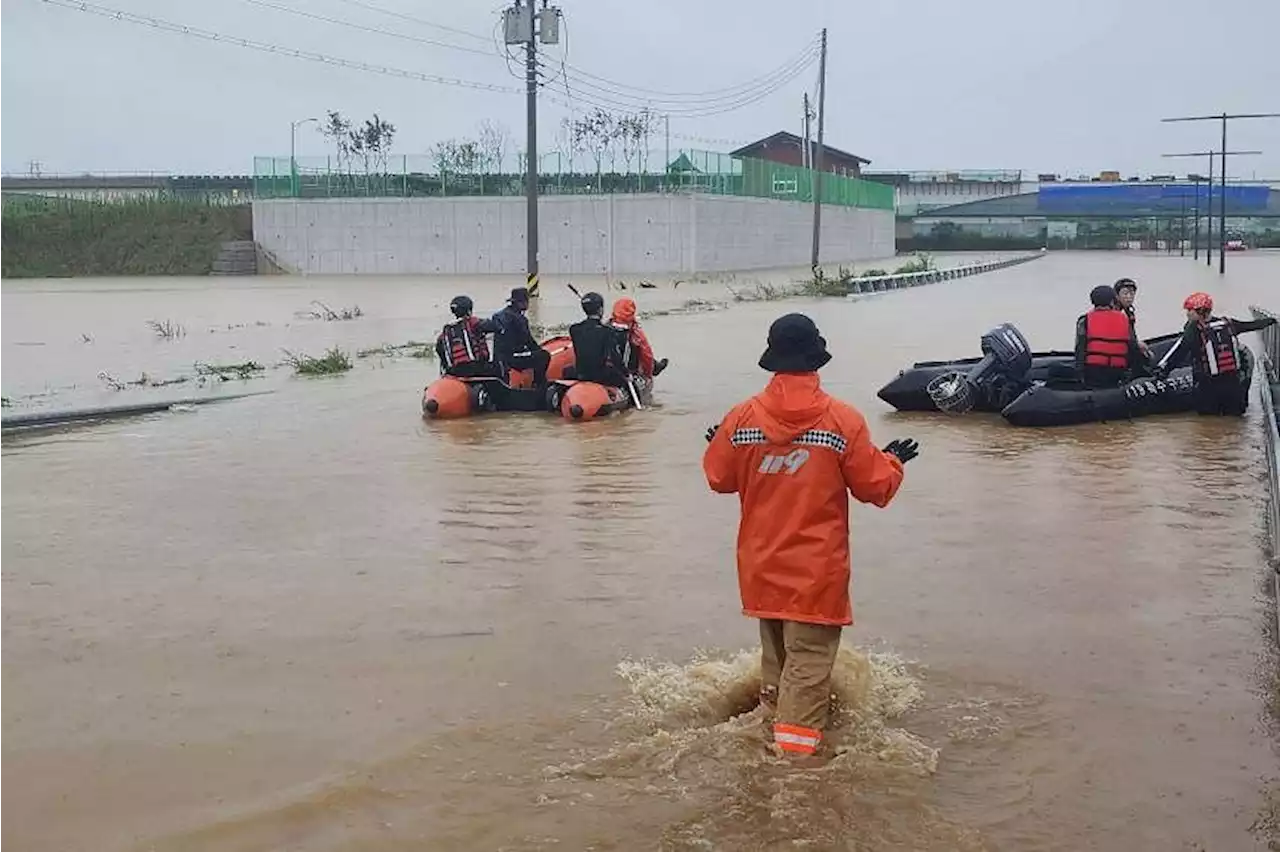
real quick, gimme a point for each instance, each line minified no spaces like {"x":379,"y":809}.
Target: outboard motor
{"x":999,"y":376}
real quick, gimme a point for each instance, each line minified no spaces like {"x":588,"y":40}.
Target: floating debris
{"x":333,"y":361}
{"x":226,"y":372}
{"x":324,"y":312}
{"x":167,"y":329}
{"x":409,"y":349}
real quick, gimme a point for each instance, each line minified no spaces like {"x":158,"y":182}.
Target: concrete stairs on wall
{"x":238,"y":257}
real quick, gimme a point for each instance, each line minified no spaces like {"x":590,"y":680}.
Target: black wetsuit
{"x":514,"y":346}
{"x":597,"y":350}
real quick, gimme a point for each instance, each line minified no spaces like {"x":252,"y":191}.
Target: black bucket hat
{"x":795,"y":346}
{"x":519,"y":296}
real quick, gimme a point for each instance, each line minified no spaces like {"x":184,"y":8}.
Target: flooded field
{"x":309,"y":620}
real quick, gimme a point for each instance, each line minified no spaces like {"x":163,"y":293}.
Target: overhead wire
{"x":407,"y":17}
{"x":278,"y":50}
{"x":266,"y":4}
{"x":608,"y":101}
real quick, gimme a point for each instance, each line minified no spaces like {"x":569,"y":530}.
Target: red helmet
{"x":1198,"y":302}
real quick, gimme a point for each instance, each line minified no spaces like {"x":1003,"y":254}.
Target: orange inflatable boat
{"x":450,"y":397}
{"x":585,"y":400}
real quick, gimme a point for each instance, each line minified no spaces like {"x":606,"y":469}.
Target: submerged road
{"x":311,"y":621}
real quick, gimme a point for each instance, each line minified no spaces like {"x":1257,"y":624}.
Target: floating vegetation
{"x":321,"y":311}
{"x":226,"y":372}
{"x":874,"y":273}
{"x":920,"y":262}
{"x":822,"y":284}
{"x":143,"y":381}
{"x":5,"y":402}
{"x":166,"y":329}
{"x":761,"y":291}
{"x":408,"y":349}
{"x":332,"y":362}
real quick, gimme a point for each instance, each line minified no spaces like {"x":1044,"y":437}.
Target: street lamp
{"x":1208,"y":249}
{"x":293,"y":159}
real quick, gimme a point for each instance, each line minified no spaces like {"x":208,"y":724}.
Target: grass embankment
{"x":56,"y":238}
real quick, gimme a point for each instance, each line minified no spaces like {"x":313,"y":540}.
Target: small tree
{"x":597,"y":132}
{"x":492,"y":143}
{"x":337,"y":130}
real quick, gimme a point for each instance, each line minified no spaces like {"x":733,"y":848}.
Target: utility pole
{"x":1222,"y":202}
{"x":666,"y":126}
{"x":527,"y":25}
{"x":1208,"y":246}
{"x":818,"y":157}
{"x":807,"y":154}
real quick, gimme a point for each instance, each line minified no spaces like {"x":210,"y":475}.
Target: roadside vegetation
{"x":62,"y":238}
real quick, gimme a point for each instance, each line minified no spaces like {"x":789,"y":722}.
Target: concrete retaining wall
{"x":609,"y":234}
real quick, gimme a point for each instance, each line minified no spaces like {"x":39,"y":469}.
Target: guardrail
{"x":1271,"y":440}
{"x":900,"y":280}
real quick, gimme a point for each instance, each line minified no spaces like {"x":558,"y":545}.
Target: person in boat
{"x":513,"y":345}
{"x":640,"y":352}
{"x":1126,"y":292}
{"x":1107,"y":351}
{"x":1212,"y":345}
{"x":461,"y":346}
{"x":792,"y":454}
{"x":600,"y":351}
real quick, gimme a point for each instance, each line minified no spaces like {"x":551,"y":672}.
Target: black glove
{"x":711,"y":432}
{"x":904,"y":448}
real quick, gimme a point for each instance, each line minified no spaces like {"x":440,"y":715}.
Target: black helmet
{"x":1126,"y":284}
{"x":461,"y":306}
{"x":1102,"y":296}
{"x":592,"y":304}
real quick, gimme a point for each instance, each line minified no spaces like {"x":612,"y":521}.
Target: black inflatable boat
{"x":1008,"y":366}
{"x":1063,"y":401}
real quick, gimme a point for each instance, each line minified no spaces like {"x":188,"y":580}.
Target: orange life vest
{"x":1221,"y":352}
{"x":463,"y":343}
{"x":1106,"y":339}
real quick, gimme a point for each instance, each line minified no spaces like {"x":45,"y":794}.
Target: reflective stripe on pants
{"x":795,"y":672}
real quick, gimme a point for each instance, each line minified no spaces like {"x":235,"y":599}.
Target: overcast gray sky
{"x":912,"y":84}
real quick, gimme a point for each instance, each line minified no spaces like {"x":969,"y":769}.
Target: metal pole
{"x":807,"y":153}
{"x":666,"y":123}
{"x":1182,"y":225}
{"x":1195,"y":238}
{"x":818,"y":154}
{"x":1222,"y":205}
{"x":1208,"y":220}
{"x":531,"y":158}
{"x":293,"y":159}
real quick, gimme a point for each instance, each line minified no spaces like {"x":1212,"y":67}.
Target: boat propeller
{"x":1006,"y":360}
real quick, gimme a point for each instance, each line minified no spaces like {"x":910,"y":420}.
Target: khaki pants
{"x":795,"y":680}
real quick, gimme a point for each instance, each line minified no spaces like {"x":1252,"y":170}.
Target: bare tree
{"x":336,"y":129}
{"x":492,"y":142}
{"x":597,"y":132}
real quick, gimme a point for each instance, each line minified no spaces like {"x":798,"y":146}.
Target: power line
{"x":278,"y":50}
{"x":405,"y":17}
{"x":809,"y":51}
{"x":779,"y":77}
{"x":376,"y":30}
{"x":611,"y":104}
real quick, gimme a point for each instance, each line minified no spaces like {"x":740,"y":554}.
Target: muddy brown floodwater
{"x":311,"y":621}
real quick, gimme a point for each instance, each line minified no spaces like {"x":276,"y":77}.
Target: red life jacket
{"x":1106,"y":339}
{"x":1220,"y":352}
{"x":463,"y":343}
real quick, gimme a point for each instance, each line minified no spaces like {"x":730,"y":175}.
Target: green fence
{"x":405,"y":176}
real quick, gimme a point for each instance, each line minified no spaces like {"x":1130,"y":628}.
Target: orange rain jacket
{"x":624,"y":316}
{"x":790,"y":453}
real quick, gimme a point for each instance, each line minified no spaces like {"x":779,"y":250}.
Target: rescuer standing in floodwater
{"x":790,"y":453}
